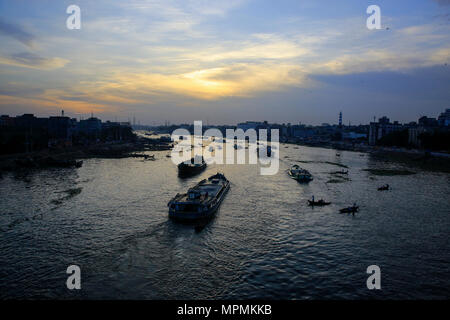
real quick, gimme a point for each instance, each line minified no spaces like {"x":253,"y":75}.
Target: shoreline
{"x":103,"y":150}
{"x":429,"y":161}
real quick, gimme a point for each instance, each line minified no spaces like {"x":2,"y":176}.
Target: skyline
{"x":226,"y":62}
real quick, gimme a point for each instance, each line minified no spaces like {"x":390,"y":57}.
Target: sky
{"x":225,"y":62}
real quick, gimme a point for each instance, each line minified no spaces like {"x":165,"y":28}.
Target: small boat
{"x":384,"y":188}
{"x":299,"y":174}
{"x":149,"y":157}
{"x":192,"y":166}
{"x":352,"y":209}
{"x":201,"y":201}
{"x":319,"y":203}
{"x":340,"y":172}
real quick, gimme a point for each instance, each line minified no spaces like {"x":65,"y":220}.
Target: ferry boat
{"x":299,"y":174}
{"x":192,"y":166}
{"x":201,"y":201}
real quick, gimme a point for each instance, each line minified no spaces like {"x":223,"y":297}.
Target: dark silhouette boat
{"x":384,"y":188}
{"x":319,"y":203}
{"x":340,"y":172}
{"x":200,"y":202}
{"x":192,"y":166}
{"x":351,"y":209}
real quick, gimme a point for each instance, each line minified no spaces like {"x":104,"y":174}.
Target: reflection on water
{"x":110,"y":218}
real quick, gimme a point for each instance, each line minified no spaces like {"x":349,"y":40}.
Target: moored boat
{"x":201,"y":201}
{"x":299,"y":174}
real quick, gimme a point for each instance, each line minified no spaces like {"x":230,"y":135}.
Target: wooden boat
{"x":299,"y":174}
{"x":352,"y":209}
{"x":340,"y":172}
{"x":201,"y":201}
{"x":319,"y":203}
{"x":192,"y":166}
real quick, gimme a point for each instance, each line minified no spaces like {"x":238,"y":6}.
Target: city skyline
{"x":226,"y":63}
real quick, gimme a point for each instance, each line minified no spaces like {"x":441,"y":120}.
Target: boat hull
{"x":196,"y":216}
{"x":213,"y":205}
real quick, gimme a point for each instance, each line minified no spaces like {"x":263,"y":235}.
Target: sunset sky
{"x":226,"y":61}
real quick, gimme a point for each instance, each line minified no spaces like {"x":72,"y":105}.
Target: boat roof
{"x":207,"y":191}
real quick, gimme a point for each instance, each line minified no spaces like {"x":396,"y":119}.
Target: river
{"x":110,"y":218}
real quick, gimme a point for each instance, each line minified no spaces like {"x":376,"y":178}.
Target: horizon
{"x":222,"y":63}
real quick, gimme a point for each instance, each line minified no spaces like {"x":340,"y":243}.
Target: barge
{"x":201,"y":201}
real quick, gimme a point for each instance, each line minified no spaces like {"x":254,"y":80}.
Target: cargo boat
{"x":192,"y":166}
{"x":201,"y":201}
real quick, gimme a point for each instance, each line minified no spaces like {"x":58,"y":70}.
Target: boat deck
{"x":208,"y":190}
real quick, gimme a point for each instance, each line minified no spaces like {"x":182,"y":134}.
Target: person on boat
{"x":312,"y":199}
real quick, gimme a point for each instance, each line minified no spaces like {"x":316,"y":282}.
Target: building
{"x":444,"y":118}
{"x":353,"y":135}
{"x":249,"y":125}
{"x":302,"y":131}
{"x":6,"y":121}
{"x":383,"y":127}
{"x":90,"y":127}
{"x":428,"y":122}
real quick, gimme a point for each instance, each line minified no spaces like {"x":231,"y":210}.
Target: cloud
{"x":31,"y":60}
{"x":16,"y":32}
{"x":237,"y":80}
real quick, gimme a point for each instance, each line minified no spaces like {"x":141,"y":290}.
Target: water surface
{"x":110,"y":218}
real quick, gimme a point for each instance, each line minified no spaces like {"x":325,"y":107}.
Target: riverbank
{"x":39,"y":159}
{"x":430,"y":161}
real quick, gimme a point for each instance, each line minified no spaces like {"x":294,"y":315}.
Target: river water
{"x":110,"y":218}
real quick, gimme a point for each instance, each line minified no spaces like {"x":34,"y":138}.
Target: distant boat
{"x":192,"y":166}
{"x":340,"y":172}
{"x":384,"y":188}
{"x":299,"y":174}
{"x":201,"y":201}
{"x":351,"y":209}
{"x":319,"y":203}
